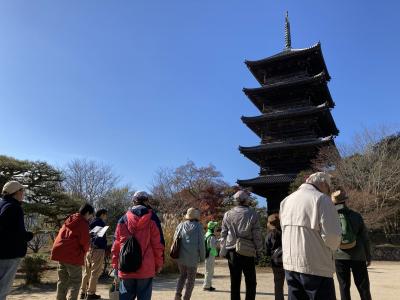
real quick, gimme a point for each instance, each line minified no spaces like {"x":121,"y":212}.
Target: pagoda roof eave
{"x":257,"y":95}
{"x":283,"y":54}
{"x":321,"y":77}
{"x":287,"y":53}
{"x":258,"y":154}
{"x":286,"y":145}
{"x":290,"y":113}
{"x":265,"y":180}
{"x":255,"y":123}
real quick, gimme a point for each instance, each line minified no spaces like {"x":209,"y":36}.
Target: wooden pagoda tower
{"x":295,"y":121}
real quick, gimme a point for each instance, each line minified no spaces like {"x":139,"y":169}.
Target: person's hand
{"x":115,"y":274}
{"x":158,"y":270}
{"x":257,"y":260}
{"x":368,"y":263}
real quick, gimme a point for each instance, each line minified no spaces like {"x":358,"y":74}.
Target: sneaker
{"x":210,"y":289}
{"x":93,"y":296}
{"x":83,"y":296}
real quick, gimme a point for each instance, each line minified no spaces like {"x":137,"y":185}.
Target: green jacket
{"x":362,"y":250}
{"x":211,"y":243}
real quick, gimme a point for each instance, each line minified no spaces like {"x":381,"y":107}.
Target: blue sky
{"x":140,"y":85}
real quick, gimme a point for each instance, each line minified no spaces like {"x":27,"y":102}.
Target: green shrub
{"x":33,"y":266}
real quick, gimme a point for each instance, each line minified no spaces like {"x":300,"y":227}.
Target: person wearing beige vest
{"x":310,"y":234}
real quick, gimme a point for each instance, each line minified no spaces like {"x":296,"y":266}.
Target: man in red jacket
{"x":69,"y":250}
{"x":141,"y":222}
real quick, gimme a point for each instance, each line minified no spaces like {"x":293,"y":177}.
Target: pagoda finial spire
{"x":288,"y":38}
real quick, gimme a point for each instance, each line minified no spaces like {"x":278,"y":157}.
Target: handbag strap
{"x":180,"y":230}
{"x":234,"y":229}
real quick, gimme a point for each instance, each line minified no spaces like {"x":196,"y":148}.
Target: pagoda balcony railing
{"x":289,"y":133}
{"x":287,"y":138}
{"x":285,"y":77}
{"x":282,"y":166}
{"x":284,"y":170}
{"x":288,"y":105}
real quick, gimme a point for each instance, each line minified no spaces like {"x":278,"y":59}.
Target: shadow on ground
{"x":48,"y":287}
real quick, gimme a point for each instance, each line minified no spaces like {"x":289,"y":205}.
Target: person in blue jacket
{"x":94,"y":260}
{"x":13,"y":235}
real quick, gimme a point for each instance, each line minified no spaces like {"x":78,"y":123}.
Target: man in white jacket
{"x":310,"y":234}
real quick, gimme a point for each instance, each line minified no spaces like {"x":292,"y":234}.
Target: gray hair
{"x":241,"y":197}
{"x":319,"y":178}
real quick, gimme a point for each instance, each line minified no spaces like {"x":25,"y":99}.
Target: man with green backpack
{"x":354,"y":253}
{"x":211,"y":252}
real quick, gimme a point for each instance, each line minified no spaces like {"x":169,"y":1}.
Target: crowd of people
{"x":313,"y":236}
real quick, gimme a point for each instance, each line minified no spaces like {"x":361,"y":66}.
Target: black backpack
{"x":130,"y":256}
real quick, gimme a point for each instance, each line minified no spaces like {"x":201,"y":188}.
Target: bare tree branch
{"x":89,"y":180}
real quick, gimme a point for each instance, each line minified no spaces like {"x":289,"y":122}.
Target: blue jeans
{"x":8,"y":269}
{"x":309,"y":287}
{"x":129,"y":289}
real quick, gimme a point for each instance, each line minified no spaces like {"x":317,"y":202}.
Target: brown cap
{"x":339,"y":196}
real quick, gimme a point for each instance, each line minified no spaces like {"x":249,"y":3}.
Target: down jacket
{"x":141,"y":222}
{"x":72,"y":241}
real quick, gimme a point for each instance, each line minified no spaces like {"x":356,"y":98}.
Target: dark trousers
{"x":279,"y":280}
{"x":238,"y":264}
{"x":360,"y":276}
{"x":309,"y":287}
{"x":130,"y":289}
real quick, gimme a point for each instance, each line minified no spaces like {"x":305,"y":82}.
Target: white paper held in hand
{"x":99,"y":231}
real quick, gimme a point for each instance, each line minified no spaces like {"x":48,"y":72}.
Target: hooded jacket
{"x":310,"y":232}
{"x":192,"y":249}
{"x":13,"y":236}
{"x":140,"y":222}
{"x":211,"y":242}
{"x":72,"y":241}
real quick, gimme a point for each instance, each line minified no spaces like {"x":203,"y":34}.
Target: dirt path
{"x":384,"y":277}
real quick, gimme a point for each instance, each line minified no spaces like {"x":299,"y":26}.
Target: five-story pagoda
{"x":295,"y":121}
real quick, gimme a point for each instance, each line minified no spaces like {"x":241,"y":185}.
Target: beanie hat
{"x":140,"y":196}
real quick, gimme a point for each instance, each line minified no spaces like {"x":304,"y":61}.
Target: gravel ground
{"x":384,"y":277}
